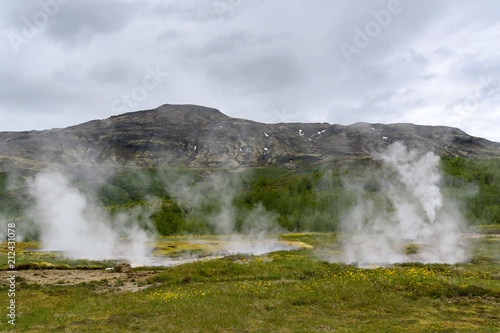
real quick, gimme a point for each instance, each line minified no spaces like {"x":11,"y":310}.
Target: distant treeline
{"x":312,"y":200}
{"x":477,"y":184}
{"x":307,"y":200}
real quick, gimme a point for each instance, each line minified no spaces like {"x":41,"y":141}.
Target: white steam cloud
{"x":255,"y":235}
{"x":403,"y":216}
{"x":73,"y":224}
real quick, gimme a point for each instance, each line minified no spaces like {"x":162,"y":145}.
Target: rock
{"x":122,"y":268}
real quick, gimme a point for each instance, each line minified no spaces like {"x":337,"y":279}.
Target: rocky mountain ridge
{"x":173,"y":136}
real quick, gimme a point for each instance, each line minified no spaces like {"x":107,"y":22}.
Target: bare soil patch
{"x":100,"y":280}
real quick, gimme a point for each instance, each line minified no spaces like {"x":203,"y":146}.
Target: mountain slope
{"x":195,"y":136}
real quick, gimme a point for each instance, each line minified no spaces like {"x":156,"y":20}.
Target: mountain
{"x":200,"y":137}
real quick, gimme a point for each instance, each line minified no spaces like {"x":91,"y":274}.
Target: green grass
{"x":486,"y":229}
{"x":286,"y":291}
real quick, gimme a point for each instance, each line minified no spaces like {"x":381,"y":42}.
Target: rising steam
{"x":73,"y":224}
{"x":70,"y":222}
{"x":254,"y":234}
{"x":404,"y":217}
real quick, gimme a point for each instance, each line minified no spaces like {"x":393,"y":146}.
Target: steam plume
{"x":219,"y":190}
{"x":73,"y":224}
{"x":406,"y":217}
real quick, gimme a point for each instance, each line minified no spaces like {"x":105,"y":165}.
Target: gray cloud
{"x":267,"y":61}
{"x":112,"y":70}
{"x":70,"y":21}
{"x":190,"y":10}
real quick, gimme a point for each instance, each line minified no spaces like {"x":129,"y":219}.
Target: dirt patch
{"x":100,"y":280}
{"x":477,"y":235}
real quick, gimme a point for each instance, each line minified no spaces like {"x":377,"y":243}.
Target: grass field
{"x":285,"y":291}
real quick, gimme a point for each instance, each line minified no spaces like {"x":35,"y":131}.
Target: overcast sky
{"x":64,"y":62}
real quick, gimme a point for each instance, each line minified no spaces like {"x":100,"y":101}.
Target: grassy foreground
{"x":287,"y":291}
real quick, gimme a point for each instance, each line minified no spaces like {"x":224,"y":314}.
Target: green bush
{"x":169,"y":220}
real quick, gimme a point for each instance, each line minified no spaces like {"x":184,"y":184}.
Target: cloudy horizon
{"x":383,"y":61}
